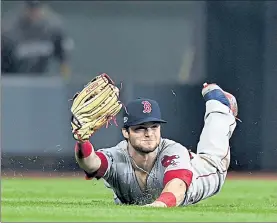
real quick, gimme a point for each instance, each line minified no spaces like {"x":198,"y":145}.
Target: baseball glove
{"x":96,"y":105}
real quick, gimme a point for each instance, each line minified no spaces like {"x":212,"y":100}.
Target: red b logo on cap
{"x":146,"y":107}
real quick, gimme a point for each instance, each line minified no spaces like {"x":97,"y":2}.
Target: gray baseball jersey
{"x":203,"y":172}
{"x":121,"y":177}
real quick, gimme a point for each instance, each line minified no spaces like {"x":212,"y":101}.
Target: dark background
{"x":155,"y":49}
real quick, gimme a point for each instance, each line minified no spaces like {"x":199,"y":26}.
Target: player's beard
{"x":145,"y":149}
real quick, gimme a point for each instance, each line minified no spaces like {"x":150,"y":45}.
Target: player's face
{"x":146,"y":137}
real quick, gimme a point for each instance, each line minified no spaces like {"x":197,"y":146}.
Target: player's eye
{"x":155,"y":126}
{"x":144,"y":128}
{"x":140,"y":128}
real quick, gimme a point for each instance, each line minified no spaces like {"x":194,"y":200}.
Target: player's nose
{"x":148,"y":131}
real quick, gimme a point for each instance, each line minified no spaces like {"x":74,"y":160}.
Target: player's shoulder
{"x":168,"y":144}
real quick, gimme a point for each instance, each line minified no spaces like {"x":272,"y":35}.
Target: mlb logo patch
{"x":125,"y":119}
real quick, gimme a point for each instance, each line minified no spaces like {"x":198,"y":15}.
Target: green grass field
{"x":53,"y":199}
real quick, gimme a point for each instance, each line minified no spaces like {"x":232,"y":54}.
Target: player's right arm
{"x":93,"y":107}
{"x":86,"y":157}
{"x":95,"y":164}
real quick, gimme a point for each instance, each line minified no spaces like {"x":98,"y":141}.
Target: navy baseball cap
{"x":140,"y":111}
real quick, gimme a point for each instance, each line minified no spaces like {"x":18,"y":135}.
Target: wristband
{"x":168,"y":198}
{"x":83,"y":150}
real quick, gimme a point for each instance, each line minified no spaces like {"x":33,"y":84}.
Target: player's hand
{"x":157,"y":204}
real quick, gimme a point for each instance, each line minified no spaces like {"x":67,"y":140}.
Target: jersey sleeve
{"x":107,"y":167}
{"x":176,"y":161}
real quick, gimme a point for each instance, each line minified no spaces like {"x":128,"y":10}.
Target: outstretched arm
{"x":92,"y":108}
{"x":86,"y":157}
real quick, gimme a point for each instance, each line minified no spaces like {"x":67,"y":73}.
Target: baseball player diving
{"x":146,"y":169}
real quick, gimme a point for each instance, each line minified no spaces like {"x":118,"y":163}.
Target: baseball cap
{"x":142,"y":110}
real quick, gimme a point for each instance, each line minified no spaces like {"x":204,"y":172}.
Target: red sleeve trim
{"x":104,"y":164}
{"x":102,"y":169}
{"x":182,"y":174}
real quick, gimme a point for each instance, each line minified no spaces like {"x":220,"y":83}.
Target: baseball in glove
{"x":96,"y":105}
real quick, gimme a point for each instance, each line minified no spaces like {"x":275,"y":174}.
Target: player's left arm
{"x":177,"y":177}
{"x":172,"y":195}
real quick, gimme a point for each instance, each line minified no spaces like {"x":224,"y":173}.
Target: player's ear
{"x":125,"y":133}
